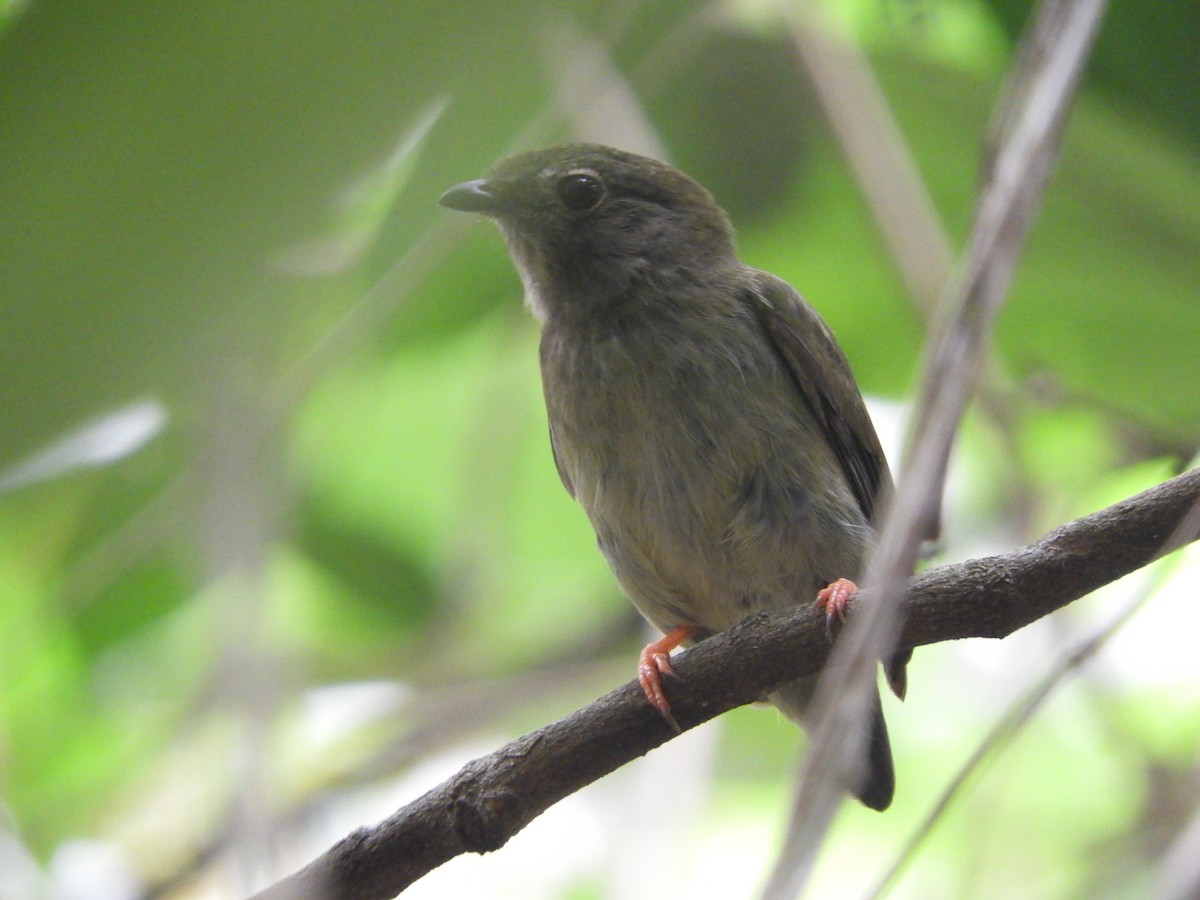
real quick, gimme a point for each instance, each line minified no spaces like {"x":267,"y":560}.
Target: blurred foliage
{"x":226,"y":213}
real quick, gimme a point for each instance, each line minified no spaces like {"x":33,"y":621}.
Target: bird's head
{"x":586,"y":223}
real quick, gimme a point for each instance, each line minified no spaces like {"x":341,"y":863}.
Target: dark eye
{"x":579,"y":192}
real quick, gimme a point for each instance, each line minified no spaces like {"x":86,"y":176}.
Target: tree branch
{"x":494,"y":797}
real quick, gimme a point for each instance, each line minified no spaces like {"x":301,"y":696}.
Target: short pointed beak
{"x":472,"y":196}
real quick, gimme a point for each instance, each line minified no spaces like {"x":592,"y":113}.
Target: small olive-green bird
{"x":700,"y":410}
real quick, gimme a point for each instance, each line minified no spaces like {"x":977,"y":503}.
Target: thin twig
{"x":884,"y":168}
{"x":1028,"y":128}
{"x":1023,"y":709}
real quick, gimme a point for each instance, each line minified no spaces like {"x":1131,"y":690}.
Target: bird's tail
{"x":878,"y":782}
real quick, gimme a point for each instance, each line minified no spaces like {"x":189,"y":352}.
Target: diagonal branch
{"x":494,"y":797}
{"x":1027,"y":133}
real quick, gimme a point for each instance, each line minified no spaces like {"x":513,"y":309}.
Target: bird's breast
{"x":705,"y":478}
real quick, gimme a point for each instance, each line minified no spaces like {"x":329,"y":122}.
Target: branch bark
{"x":492,"y":798}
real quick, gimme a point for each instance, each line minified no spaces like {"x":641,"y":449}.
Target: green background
{"x":280,"y":535}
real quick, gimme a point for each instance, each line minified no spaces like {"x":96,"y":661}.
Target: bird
{"x":700,"y":410}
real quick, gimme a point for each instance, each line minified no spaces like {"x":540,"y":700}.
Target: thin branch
{"x":1179,"y":873}
{"x":883,"y":165}
{"x":1022,"y":710}
{"x":494,"y":797}
{"x":1027,"y":134}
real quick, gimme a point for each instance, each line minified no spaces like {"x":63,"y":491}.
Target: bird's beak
{"x":472,"y":196}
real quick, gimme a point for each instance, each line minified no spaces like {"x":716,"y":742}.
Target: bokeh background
{"x":281,"y":541}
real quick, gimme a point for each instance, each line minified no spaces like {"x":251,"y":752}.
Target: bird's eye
{"x":579,"y":191}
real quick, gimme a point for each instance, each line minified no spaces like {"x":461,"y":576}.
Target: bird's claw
{"x":655,"y":662}
{"x":652,"y":666}
{"x":834,"y":599}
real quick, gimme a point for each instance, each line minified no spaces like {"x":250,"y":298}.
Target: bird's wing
{"x":823,"y":378}
{"x":562,"y":472}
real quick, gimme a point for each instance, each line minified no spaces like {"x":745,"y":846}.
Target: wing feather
{"x":824,"y":380}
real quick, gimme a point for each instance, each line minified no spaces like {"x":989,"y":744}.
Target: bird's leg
{"x":655,"y":662}
{"x":834,"y":599}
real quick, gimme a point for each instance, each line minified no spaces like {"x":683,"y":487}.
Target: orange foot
{"x":655,"y":662}
{"x":834,"y":599}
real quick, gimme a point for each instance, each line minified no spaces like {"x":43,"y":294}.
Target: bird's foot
{"x":834,"y":599}
{"x":655,"y":662}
